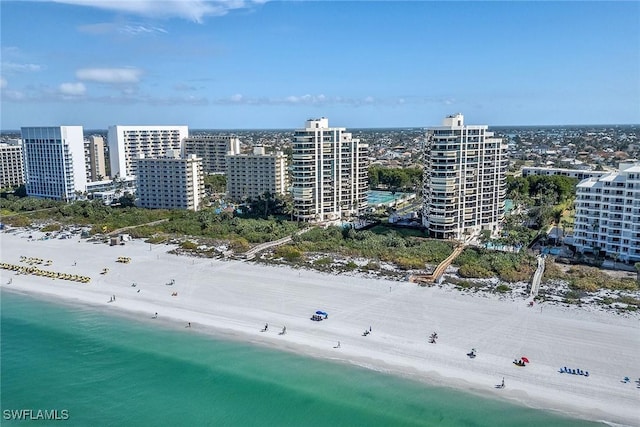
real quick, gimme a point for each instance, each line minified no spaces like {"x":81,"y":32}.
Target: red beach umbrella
{"x":524,"y":359}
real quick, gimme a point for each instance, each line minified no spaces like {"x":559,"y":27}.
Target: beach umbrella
{"x":524,"y":359}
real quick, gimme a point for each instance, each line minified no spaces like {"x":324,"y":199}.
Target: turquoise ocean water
{"x":111,"y":371}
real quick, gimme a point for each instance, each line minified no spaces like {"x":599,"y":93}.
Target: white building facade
{"x":11,"y":165}
{"x":170,"y":182}
{"x":607,"y":217}
{"x":54,"y":162}
{"x":571,"y":173}
{"x":330,"y":175}
{"x":464,"y":179}
{"x":252,"y":175}
{"x":212,"y":149}
{"x":127,"y":143}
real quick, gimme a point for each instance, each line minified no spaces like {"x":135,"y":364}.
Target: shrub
{"x":189,"y":245}
{"x":288,"y":252}
{"x":239,"y":245}
{"x":350,"y":265}
{"x":323,"y":262}
{"x":474,"y":271}
{"x":502,"y":288}
{"x":50,"y":227}
{"x":409,"y":263}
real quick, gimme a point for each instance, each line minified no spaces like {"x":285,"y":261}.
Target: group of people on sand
{"x":112,"y":299}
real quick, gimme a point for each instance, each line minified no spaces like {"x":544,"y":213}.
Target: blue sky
{"x":265,"y":64}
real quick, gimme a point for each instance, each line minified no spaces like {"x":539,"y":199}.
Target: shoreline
{"x":233,"y":299}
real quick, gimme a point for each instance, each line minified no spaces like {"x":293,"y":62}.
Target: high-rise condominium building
{"x":94,"y":158}
{"x":608,"y":214}
{"x":11,"y":165}
{"x":54,"y":161}
{"x":329,"y":173}
{"x":252,"y":175}
{"x":170,"y":182}
{"x":127,"y":143}
{"x":212,"y":149}
{"x":464,"y":179}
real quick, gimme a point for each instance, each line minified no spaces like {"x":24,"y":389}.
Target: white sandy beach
{"x":235,"y":299}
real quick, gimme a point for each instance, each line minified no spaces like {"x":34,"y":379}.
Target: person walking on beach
{"x":502,"y":385}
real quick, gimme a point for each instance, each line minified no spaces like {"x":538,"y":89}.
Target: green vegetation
{"x":288,"y":252}
{"x":546,"y":197}
{"x":395,"y":178}
{"x":189,"y":245}
{"x":215,"y":183}
{"x":502,"y":288}
{"x":22,"y":212}
{"x":482,"y":263}
{"x":50,"y":227}
{"x":389,"y":246}
{"x":587,"y":279}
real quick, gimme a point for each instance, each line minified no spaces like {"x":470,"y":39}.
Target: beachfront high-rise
{"x":54,"y":162}
{"x":608,"y":214}
{"x":212,"y":149}
{"x":464,"y":179}
{"x":128,"y":143}
{"x":170,"y":182}
{"x":329,"y":173}
{"x":11,"y":165}
{"x":94,"y":158}
{"x":253,"y":175}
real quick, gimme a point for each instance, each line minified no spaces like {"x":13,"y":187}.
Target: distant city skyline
{"x":273,"y":65}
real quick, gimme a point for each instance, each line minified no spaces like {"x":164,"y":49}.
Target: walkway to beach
{"x":251,"y":253}
{"x":439,"y":271}
{"x":537,"y":277}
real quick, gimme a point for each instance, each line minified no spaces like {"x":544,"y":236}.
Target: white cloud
{"x":20,"y":68}
{"x":109,"y":75}
{"x":135,"y":29}
{"x":193,"y":10}
{"x":3,"y":83}
{"x":236,"y":98}
{"x":72,"y":89}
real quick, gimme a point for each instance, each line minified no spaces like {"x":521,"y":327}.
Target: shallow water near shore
{"x":108,"y":370}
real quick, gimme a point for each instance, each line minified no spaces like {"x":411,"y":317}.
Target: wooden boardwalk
{"x":429,"y":279}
